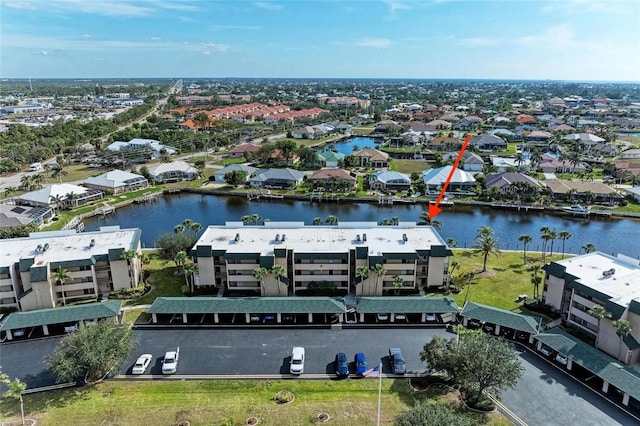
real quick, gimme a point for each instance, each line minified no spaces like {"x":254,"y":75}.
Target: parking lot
{"x":545,"y":395}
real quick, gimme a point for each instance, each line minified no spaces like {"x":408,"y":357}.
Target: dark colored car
{"x":342,"y":365}
{"x":398,"y":365}
{"x":361,"y":363}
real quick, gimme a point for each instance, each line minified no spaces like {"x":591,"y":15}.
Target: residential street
{"x":544,"y":395}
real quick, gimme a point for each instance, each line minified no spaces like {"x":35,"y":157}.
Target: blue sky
{"x":507,"y":39}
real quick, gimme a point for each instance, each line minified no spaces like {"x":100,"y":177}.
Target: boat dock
{"x":518,"y":207}
{"x":147,"y":198}
{"x":105,"y":210}
{"x":257,"y":194}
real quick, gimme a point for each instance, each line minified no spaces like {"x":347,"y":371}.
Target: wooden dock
{"x":105,"y":210}
{"x":147,"y":198}
{"x":258,"y":194}
{"x":518,"y":207}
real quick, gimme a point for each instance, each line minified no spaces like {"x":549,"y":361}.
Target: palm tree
{"x":589,"y":248}
{"x":395,"y":220}
{"x":598,"y":312}
{"x":317,"y":221}
{"x":397,"y":284}
{"x":58,"y":171}
{"x":362,"y":272}
{"x":15,"y":389}
{"x":59,"y":277}
{"x":485,"y":244}
{"x":38,"y":181}
{"x":544,"y":231}
{"x":451,"y":242}
{"x":186,"y":224}
{"x":331,"y":220}
{"x":246,"y":219}
{"x":260,"y":274}
{"x":255,"y":218}
{"x":526,"y":240}
{"x":129,"y":255}
{"x":552,"y":237}
{"x":70,"y":197}
{"x":180,"y":259}
{"x":426,"y":220}
{"x":564,"y":236}
{"x":536,"y":279}
{"x":195,"y":227}
{"x":9,"y":191}
{"x":453,"y":266}
{"x":57,"y":200}
{"x":178,"y":229}
{"x":380,"y":272}
{"x":623,"y":329}
{"x":278,"y":271}
{"x":468,"y":277}
{"x":189,"y":270}
{"x":26,"y":182}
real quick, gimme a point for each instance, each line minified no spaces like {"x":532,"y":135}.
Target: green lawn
{"x":506,"y":278}
{"x":410,"y":166}
{"x":229,"y":161}
{"x":222,"y":402}
{"x":163,"y":280}
{"x":362,"y":130}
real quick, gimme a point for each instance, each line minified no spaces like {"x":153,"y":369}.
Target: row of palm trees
{"x":189,"y":226}
{"x":278,"y":272}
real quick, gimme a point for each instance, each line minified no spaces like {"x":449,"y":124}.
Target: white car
{"x":431,"y":318}
{"x":170,"y":361}
{"x":561,"y":358}
{"x":297,"y":360}
{"x":545,"y":350}
{"x":141,"y":365}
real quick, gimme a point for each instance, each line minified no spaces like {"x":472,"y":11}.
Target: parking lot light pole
{"x":379,"y":391}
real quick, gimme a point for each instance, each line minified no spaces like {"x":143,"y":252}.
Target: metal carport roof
{"x":64,"y":314}
{"x":501,"y":317}
{"x":408,"y":304}
{"x":257,"y":305}
{"x":602,"y":365}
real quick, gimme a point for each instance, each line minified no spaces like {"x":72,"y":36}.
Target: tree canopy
{"x":91,"y":353}
{"x":476,"y":361}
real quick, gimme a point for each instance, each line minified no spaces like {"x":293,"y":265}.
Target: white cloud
{"x":44,"y":53}
{"x":155,"y":38}
{"x":395,"y":5}
{"x":558,"y":37}
{"x":480,"y":42}
{"x":374,"y":42}
{"x":22,"y":5}
{"x":206,"y":52}
{"x":216,"y":47}
{"x":572,"y":7}
{"x":87,"y":36}
{"x":268,"y":5}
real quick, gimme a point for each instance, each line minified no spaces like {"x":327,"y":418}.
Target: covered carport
{"x":45,"y":322}
{"x":415,"y":308}
{"x":247,"y":310}
{"x":612,"y":373}
{"x":502,"y":322}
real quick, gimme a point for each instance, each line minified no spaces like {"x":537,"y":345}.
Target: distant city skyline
{"x":574,"y":40}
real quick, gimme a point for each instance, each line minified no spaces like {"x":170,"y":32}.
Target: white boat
{"x":576,"y":210}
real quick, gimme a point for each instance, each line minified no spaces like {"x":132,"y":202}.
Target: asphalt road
{"x":544,"y":395}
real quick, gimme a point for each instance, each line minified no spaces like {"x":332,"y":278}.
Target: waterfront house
{"x":460,"y":180}
{"x":487,"y":143}
{"x":154,"y":147}
{"x":510,"y":182}
{"x":333,"y":179}
{"x":389,"y":181}
{"x":330,"y":158}
{"x":60,"y":195}
{"x":13,"y":215}
{"x":276,"y":178}
{"x":504,"y":164}
{"x":584,"y":191}
{"x":116,"y":182}
{"x":218,"y":175}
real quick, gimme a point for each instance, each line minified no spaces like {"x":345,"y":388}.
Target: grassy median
{"x":348,"y":402}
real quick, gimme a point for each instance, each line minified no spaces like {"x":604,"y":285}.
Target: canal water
{"x":458,"y":222}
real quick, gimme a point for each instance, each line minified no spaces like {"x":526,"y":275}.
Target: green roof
{"x":39,"y":273}
{"x":623,"y":378}
{"x":501,"y":317}
{"x":61,"y":315}
{"x":440,"y":251}
{"x":409,"y":304}
{"x":229,"y":305}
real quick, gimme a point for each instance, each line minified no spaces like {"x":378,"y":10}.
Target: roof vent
{"x":364,"y":237}
{"x":358,"y":238}
{"x":237,"y":238}
{"x":92,"y":243}
{"x":608,"y":272}
{"x":277,"y":238}
{"x":45,"y":247}
{"x":284,"y":237}
{"x":404,"y":237}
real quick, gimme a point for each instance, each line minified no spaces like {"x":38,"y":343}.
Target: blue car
{"x":361,"y":363}
{"x":342,"y":365}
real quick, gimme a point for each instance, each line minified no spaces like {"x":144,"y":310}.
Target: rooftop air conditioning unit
{"x":364,"y":237}
{"x":404,"y":237}
{"x":277,"y":238}
{"x":608,"y":272}
{"x":358,"y":238}
{"x":92,"y":243}
{"x":45,"y":247}
{"x":284,"y":236}
{"x":237,"y":238}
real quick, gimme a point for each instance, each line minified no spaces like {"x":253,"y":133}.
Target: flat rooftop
{"x":66,"y":245}
{"x":329,"y":239}
{"x":622,"y":286}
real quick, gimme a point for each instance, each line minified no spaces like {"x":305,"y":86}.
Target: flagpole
{"x":379,"y":391}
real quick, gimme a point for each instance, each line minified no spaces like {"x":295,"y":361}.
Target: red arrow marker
{"x":434,"y":209}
